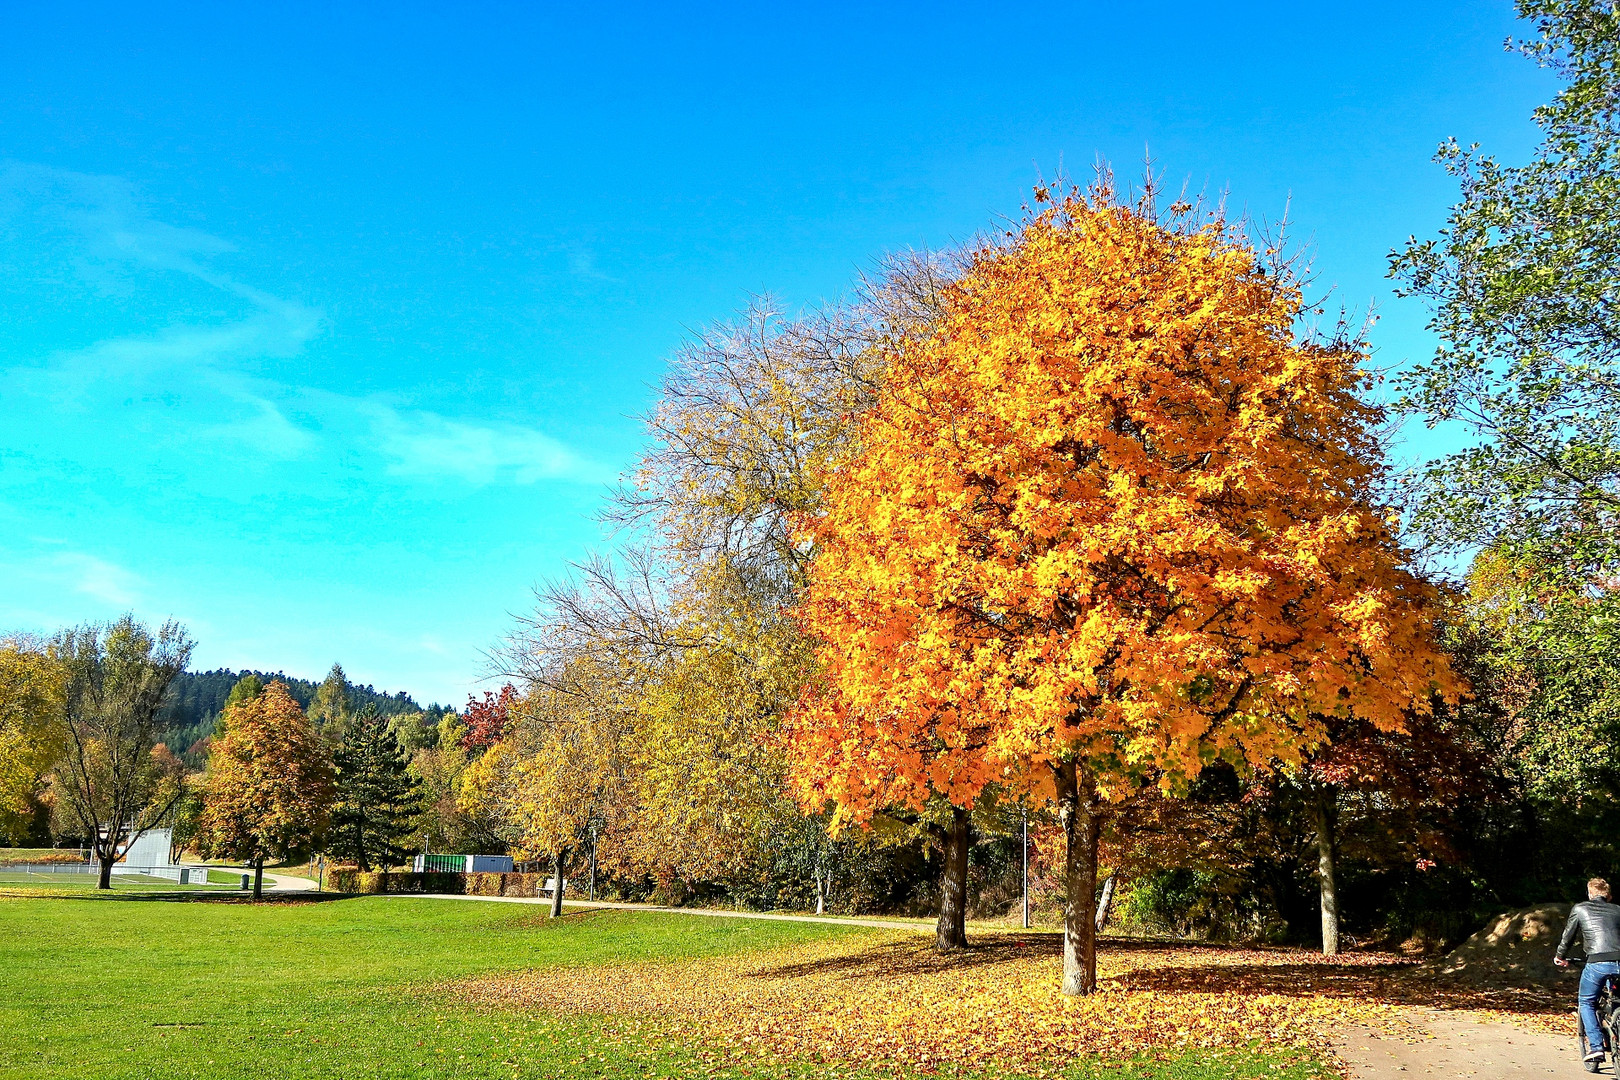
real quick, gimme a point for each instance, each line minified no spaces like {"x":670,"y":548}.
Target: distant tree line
{"x":197,"y":702}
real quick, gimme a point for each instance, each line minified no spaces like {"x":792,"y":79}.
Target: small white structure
{"x":152,"y":848}
{"x":152,"y":855}
{"x":463,"y":864}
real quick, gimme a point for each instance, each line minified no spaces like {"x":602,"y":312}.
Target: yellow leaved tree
{"x":1111,"y":519}
{"x":552,"y":783}
{"x":31,"y":726}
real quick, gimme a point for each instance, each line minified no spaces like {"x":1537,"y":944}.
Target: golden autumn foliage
{"x":554,"y":776}
{"x":31,"y":725}
{"x":269,"y":787}
{"x":657,"y":752}
{"x":1109,"y":520}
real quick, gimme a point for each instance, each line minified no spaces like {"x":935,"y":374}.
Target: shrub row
{"x":48,"y":856}
{"x":404,"y":881}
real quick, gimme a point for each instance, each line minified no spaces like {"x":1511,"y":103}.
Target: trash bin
{"x":247,"y":882}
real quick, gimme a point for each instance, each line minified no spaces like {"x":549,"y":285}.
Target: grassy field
{"x":128,"y":986}
{"x":73,"y":884}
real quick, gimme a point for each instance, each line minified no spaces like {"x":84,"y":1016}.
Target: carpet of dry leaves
{"x":890,"y":1000}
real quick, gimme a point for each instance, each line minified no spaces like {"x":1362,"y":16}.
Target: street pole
{"x":593,"y":863}
{"x":1026,"y":868}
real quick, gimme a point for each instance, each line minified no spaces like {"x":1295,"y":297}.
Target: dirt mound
{"x":1514,"y":949}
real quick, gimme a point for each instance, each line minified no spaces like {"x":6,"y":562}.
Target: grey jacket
{"x":1599,"y":924}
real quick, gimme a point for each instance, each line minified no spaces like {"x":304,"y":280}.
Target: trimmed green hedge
{"x":405,"y":881}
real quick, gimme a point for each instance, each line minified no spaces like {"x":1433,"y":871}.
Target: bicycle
{"x":1608,"y":1010}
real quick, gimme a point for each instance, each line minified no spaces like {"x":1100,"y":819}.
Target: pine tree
{"x":377,"y":798}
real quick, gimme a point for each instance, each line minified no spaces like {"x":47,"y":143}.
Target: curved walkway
{"x":281,"y":883}
{"x":287,"y":883}
{"x":1441,"y":1044}
{"x":718,"y":913}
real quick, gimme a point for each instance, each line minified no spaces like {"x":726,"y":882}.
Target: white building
{"x":154,"y":847}
{"x":152,"y":855}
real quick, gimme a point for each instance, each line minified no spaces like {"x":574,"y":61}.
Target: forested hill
{"x":198,"y":697}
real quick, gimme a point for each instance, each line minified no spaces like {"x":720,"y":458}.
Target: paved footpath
{"x":286,"y":883}
{"x":1443,"y":1044}
{"x":718,"y":913}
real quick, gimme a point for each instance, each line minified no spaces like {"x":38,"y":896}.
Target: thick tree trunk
{"x":258,"y":879}
{"x":1082,"y":829}
{"x":558,"y":884}
{"x":104,"y":874}
{"x":1327,"y":814}
{"x":951,"y":931}
{"x":1105,"y":902}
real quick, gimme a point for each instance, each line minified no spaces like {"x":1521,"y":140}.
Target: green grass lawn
{"x":133,"y":986}
{"x":86,"y":883}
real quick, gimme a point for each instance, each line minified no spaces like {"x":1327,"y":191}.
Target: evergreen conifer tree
{"x":377,"y":798}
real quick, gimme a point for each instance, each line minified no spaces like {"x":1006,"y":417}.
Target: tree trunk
{"x":104,"y":875}
{"x":951,"y":931}
{"x":821,"y":894}
{"x":557,"y":886}
{"x":258,"y":878}
{"x":1082,"y":829}
{"x":1327,"y":814}
{"x":1105,"y":902}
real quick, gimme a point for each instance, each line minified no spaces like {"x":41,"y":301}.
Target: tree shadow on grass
{"x":1394,"y":984}
{"x":918,"y":957}
{"x":1198,"y":968}
{"x":900,"y":958}
{"x":158,"y":896}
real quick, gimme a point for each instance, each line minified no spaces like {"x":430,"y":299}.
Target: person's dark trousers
{"x":1591,"y":983}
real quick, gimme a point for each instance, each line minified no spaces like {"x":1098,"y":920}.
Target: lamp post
{"x":1026,"y":868}
{"x":593,"y":862}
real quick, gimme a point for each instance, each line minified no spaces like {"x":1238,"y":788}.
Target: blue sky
{"x":324,"y":331}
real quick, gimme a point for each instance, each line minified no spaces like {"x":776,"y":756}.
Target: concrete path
{"x":1442,"y":1044}
{"x":282,"y":883}
{"x":718,"y":913}
{"x":287,"y":883}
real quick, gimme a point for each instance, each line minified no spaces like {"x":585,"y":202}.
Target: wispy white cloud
{"x":99,"y":579}
{"x":207,"y":364}
{"x":582,"y":264}
{"x":57,"y":569}
{"x":216,"y":372}
{"x":262,"y":426}
{"x":426,"y":445}
{"x":105,"y":214}
{"x":199,"y":350}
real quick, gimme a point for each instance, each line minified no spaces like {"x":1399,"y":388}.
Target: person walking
{"x":1598,"y":920}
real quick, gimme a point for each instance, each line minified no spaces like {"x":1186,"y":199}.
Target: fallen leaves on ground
{"x":892,"y":1000}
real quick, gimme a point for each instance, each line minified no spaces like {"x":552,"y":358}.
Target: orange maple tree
{"x":1109,"y":521}
{"x":269,"y":789}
